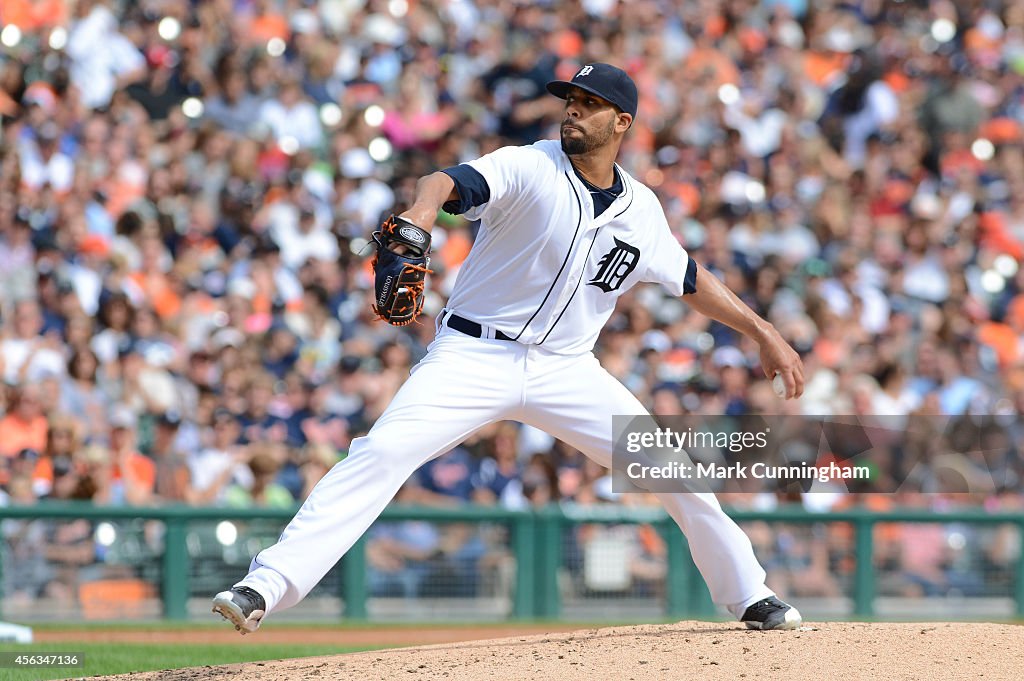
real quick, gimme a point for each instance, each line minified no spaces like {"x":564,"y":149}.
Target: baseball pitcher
{"x":564,"y":231}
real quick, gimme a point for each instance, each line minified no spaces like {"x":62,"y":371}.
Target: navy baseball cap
{"x":604,"y":80}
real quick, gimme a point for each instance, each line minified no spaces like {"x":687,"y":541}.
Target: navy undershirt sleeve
{"x":471,"y":186}
{"x":690,"y":278}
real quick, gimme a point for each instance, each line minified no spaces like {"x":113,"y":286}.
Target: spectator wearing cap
{"x":292,"y":404}
{"x":240,"y":306}
{"x":142,"y":382}
{"x":321,"y":425}
{"x":43,"y":164}
{"x":22,"y":464}
{"x":51,"y":289}
{"x":281,"y":350}
{"x":666,"y":400}
{"x":172,"y":472}
{"x":133,"y":475}
{"x":735,"y":377}
{"x":85,"y":274}
{"x":347,"y":395}
{"x":214,"y":467}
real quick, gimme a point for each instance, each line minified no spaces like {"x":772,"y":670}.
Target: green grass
{"x":343,"y":625}
{"x":119,"y":658}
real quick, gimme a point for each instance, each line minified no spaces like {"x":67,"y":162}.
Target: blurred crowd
{"x":187,"y":190}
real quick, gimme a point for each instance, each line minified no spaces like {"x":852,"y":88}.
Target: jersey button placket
{"x":573,"y":281}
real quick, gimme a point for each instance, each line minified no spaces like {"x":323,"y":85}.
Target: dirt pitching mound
{"x":699,"y":650}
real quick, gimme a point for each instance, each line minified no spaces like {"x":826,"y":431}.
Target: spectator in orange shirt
{"x":31,"y":15}
{"x":133,"y":479}
{"x":62,"y":443}
{"x":153,"y":280}
{"x":24,"y":426}
{"x":267,"y":23}
{"x":707,"y":64}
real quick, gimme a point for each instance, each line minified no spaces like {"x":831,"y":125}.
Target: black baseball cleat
{"x":241,"y":606}
{"x":771,"y":613}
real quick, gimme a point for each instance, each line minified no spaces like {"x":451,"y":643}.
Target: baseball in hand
{"x":778,"y":385}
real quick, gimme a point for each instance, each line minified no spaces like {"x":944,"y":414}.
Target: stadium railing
{"x":535,"y":541}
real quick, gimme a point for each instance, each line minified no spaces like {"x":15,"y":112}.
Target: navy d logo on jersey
{"x":615,"y":266}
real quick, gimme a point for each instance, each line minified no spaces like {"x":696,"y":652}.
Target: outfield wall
{"x":62,"y":561}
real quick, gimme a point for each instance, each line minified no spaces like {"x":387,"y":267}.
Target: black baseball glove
{"x":400,"y":267}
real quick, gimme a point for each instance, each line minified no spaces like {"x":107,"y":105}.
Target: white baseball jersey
{"x":543,"y":270}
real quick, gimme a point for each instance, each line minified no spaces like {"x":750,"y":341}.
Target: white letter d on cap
{"x":584,"y":71}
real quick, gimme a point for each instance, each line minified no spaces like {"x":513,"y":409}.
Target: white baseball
{"x":778,"y":385}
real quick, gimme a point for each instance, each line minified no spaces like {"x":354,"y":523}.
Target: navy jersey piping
{"x":579,"y":208}
{"x":578,"y":281}
{"x":631,"y":195}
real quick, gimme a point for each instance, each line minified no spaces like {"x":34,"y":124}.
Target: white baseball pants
{"x":462,"y":384}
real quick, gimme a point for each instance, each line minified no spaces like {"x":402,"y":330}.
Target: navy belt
{"x":471,"y":328}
